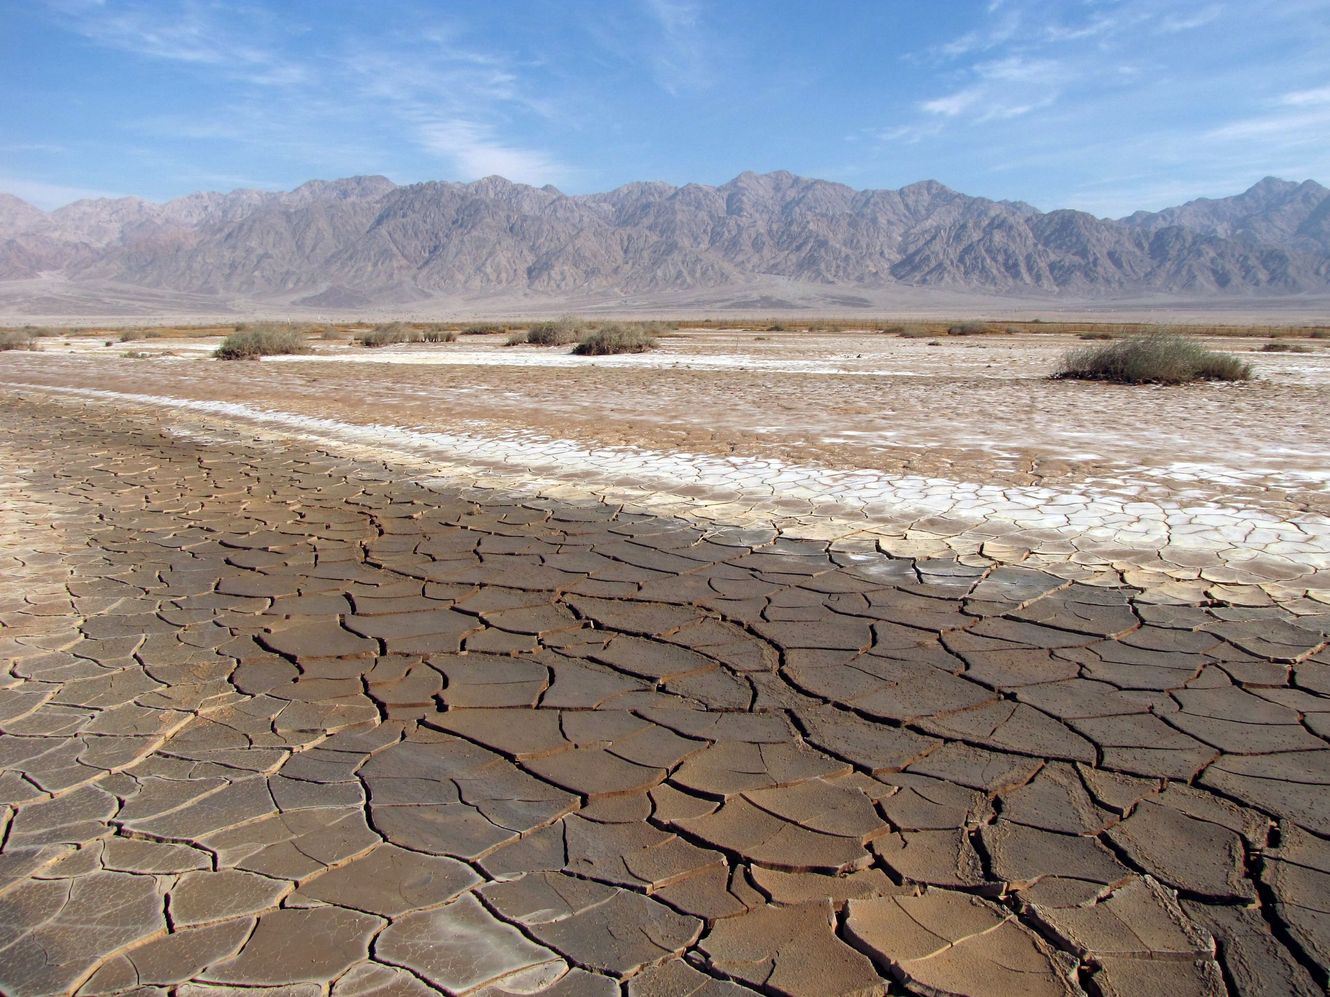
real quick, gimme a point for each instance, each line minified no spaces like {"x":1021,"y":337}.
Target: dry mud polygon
{"x":280,"y":715}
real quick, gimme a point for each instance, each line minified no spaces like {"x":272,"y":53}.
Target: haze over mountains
{"x":759,"y":241}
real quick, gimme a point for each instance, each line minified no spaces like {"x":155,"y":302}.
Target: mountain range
{"x":365,"y":242}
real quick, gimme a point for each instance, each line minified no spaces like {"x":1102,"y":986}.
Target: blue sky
{"x":1104,"y":105}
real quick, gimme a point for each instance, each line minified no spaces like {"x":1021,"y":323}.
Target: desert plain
{"x":776,"y":661}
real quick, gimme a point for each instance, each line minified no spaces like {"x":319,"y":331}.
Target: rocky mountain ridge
{"x":364,"y":240}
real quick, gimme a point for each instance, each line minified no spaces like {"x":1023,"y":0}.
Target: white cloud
{"x":476,"y":152}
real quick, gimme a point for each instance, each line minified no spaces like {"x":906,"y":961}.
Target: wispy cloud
{"x":682,"y":55}
{"x":190,"y":32}
{"x":449,"y":100}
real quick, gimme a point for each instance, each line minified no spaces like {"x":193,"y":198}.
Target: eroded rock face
{"x":271,"y":718}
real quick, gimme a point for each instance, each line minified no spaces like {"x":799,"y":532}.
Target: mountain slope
{"x":364,"y":239}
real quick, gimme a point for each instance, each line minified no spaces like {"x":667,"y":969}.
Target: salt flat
{"x":803,"y":664}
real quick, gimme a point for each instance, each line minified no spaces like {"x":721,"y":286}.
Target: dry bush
{"x":914,"y":332}
{"x":560,"y":332}
{"x":1285,"y":348}
{"x":17,"y":339}
{"x":256,"y":341}
{"x":388,"y":334}
{"x":967,"y":329}
{"x":617,"y":337}
{"x":483,"y":329}
{"x":1155,"y":358}
{"x":438,"y":334}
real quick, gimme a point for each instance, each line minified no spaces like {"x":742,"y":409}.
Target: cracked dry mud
{"x":279,"y":717}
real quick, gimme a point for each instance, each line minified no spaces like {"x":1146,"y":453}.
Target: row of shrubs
{"x":394,"y":333}
{"x":592,"y":338}
{"x":1153,"y":358}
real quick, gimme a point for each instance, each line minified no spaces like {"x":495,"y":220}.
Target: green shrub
{"x":17,"y":339}
{"x":389,"y":334}
{"x":483,"y":329}
{"x":615,"y":337}
{"x":1154,"y":358}
{"x":261,"y":341}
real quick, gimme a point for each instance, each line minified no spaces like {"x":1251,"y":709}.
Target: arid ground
{"x":778,"y":662}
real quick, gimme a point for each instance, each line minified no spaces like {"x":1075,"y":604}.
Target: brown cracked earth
{"x":296,"y":718}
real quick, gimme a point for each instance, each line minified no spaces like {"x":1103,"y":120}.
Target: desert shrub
{"x":1319,"y":334}
{"x":17,"y":339}
{"x":329,"y":334}
{"x":617,"y":337}
{"x":1013,"y":330}
{"x":42,"y":331}
{"x":483,"y":329}
{"x":515,"y":339}
{"x":1285,"y":348}
{"x":389,"y":334}
{"x":967,"y":329}
{"x":914,"y":332}
{"x":761,"y":339}
{"x":560,"y":332}
{"x":261,"y":341}
{"x":1154,"y":358}
{"x":129,"y":335}
{"x":777,"y":327}
{"x":438,"y":335}
{"x":1095,"y":335}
